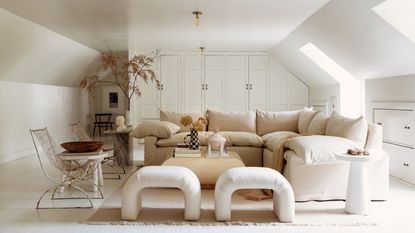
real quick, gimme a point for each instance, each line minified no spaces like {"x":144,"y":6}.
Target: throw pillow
{"x":175,"y":117}
{"x":353,"y":129}
{"x":306,"y":116}
{"x":318,"y":124}
{"x":232,"y":121}
{"x":268,"y":122}
{"x":159,"y":129}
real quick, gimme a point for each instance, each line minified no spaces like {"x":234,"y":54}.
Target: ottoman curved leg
{"x":284,"y":201}
{"x":131,"y":199}
{"x":192,"y":205}
{"x":223,"y":198}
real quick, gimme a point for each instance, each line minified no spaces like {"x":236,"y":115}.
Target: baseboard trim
{"x":5,"y":158}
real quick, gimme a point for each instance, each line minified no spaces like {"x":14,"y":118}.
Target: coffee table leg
{"x":358,"y":194}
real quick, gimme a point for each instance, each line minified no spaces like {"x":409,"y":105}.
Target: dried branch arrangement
{"x":125,"y":75}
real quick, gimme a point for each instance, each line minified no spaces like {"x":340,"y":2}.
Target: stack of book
{"x":186,"y":153}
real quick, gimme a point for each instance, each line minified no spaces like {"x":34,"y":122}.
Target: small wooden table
{"x":209,"y":169}
{"x":358,"y":188}
{"x":123,"y":146}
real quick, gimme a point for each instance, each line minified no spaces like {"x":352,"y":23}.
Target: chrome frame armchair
{"x":72,"y":171}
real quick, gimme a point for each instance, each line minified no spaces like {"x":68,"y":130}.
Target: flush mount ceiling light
{"x":197,"y":17}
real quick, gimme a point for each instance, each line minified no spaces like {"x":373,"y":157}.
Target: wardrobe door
{"x":215,"y":82}
{"x":192,"y":85}
{"x":149,"y":101}
{"x":171,"y":83}
{"x":237,"y":93}
{"x":258,"y":82}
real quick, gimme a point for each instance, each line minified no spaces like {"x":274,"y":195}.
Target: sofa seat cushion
{"x":319,"y":148}
{"x":232,"y":139}
{"x":271,"y":140}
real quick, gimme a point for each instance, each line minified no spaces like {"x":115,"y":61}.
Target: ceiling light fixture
{"x":197,"y":17}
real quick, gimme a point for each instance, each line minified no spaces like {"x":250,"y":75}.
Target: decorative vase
{"x":194,"y":139}
{"x":128,"y":118}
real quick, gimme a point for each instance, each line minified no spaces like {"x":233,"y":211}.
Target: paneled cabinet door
{"x":237,"y":83}
{"x":171,"y":83}
{"x":215,"y":82}
{"x":149,"y":101}
{"x":397,"y":125}
{"x":258,"y":82}
{"x":193,"y":83}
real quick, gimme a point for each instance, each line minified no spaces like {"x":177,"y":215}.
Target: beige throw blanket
{"x":277,"y":164}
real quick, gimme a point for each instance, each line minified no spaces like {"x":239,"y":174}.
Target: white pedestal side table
{"x":358,"y":189}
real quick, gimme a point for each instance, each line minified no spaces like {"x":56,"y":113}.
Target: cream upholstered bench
{"x":254,"y":178}
{"x":161,"y":177}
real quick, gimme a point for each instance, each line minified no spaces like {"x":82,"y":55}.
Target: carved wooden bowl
{"x":82,"y":146}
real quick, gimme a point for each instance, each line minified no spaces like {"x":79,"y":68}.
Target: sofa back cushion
{"x":318,"y":124}
{"x":306,"y":116}
{"x":159,"y":129}
{"x":268,"y":122}
{"x":175,"y":117}
{"x":232,"y":121}
{"x":353,"y":129}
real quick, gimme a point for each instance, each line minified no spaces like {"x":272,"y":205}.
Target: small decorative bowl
{"x":82,"y":146}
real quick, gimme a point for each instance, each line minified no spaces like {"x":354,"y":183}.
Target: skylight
{"x":327,"y":64}
{"x":400,"y":14}
{"x":351,"y":91}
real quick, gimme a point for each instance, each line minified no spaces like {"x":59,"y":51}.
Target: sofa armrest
{"x":150,"y":150}
{"x":374,"y":137}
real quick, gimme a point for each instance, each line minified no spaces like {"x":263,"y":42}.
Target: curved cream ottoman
{"x":161,"y":177}
{"x":254,"y":178}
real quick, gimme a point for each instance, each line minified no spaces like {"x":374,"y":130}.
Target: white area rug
{"x":165,"y":207}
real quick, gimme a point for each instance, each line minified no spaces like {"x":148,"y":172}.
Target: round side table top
{"x":348,"y":157}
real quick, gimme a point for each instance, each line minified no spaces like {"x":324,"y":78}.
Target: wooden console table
{"x":123,"y":146}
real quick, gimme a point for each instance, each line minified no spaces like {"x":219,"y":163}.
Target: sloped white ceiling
{"x":32,"y":54}
{"x":354,"y":36}
{"x":230,"y":25}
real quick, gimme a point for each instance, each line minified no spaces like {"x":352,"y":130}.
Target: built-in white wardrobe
{"x":220,"y":81}
{"x":398,"y":122}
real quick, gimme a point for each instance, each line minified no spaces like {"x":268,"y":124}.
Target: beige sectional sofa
{"x":310,"y":166}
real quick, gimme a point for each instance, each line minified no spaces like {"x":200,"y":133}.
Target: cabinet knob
{"x":407,"y":127}
{"x":406,"y":164}
{"x":203,"y":86}
{"x":206,"y":86}
{"x":379,"y":123}
{"x":247,"y":86}
{"x":250,"y":86}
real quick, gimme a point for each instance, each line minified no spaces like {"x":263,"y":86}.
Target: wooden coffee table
{"x":209,"y":169}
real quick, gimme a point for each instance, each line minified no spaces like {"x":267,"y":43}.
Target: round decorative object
{"x":216,"y":142}
{"x":82,"y":146}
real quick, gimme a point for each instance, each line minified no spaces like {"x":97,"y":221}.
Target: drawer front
{"x":398,"y":125}
{"x":401,"y":162}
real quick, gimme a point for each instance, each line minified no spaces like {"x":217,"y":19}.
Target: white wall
{"x":30,"y":106}
{"x":329,"y":94}
{"x":32,"y":60}
{"x":393,"y":89}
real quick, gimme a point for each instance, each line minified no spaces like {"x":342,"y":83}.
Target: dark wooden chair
{"x":102,"y":120}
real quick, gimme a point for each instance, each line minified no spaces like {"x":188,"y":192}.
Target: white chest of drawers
{"x":398,"y":122}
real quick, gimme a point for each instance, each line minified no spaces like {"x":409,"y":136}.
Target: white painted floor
{"x":22,"y":182}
